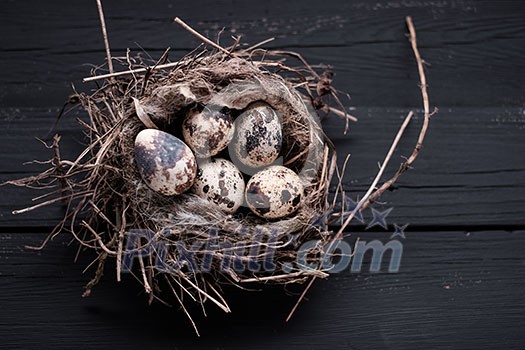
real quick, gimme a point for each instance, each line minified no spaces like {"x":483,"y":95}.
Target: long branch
{"x":426,"y":105}
{"x":371,"y":195}
{"x":105,"y":35}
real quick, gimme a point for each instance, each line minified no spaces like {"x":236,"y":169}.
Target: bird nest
{"x":185,"y":242}
{"x":111,"y":210}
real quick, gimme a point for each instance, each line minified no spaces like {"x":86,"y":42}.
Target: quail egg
{"x":165,"y":163}
{"x":274,"y":192}
{"x":220,"y":182}
{"x":208,"y":132}
{"x":258,"y":136}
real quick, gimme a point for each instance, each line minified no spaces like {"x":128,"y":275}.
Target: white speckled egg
{"x":220,"y":182}
{"x":207,"y":132}
{"x":165,"y":163}
{"x":258,"y":136}
{"x":274,"y":192}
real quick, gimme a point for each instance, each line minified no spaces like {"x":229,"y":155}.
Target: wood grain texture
{"x":474,"y":47}
{"x":470,"y":174}
{"x":462,"y":272}
{"x":455,"y":290}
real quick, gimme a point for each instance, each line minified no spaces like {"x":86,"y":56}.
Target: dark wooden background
{"x":462,"y":276}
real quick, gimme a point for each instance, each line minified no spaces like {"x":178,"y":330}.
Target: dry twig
{"x":105,"y":36}
{"x":156,"y":93}
{"x":426,"y":105}
{"x":372,"y":195}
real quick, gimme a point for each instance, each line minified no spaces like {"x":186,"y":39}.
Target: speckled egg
{"x":207,"y":132}
{"x":166,"y":164}
{"x":221,"y":183}
{"x":258,"y":136}
{"x":274,"y":192}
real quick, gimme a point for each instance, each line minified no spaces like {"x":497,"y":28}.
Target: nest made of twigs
{"x":121,"y":108}
{"x":107,"y":197}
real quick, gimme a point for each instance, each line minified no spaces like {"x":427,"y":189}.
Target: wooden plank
{"x":470,"y":173}
{"x":455,"y":290}
{"x":475,"y":48}
{"x":459,"y":285}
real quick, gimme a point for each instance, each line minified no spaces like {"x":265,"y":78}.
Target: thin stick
{"x":98,"y":275}
{"x":99,"y":239}
{"x":202,"y":37}
{"x":105,"y":35}
{"x":300,"y":299}
{"x":367,"y":200}
{"x":264,"y":42}
{"x":340,"y":183}
{"x":224,"y":308}
{"x":128,"y":72}
{"x":218,"y":295}
{"x":422,"y":77}
{"x":122,"y":228}
{"x":148,"y":69}
{"x":147,"y":287}
{"x":289,"y":275}
{"x":51,"y":201}
{"x":377,"y":178}
{"x":342,"y":115}
{"x":339,"y":234}
{"x":183,"y":307}
{"x":426,"y":104}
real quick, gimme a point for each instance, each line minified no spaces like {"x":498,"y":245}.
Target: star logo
{"x":379,"y":218}
{"x":349,"y":207}
{"x":399,"y":231}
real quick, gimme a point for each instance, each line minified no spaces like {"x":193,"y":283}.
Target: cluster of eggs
{"x":171,"y":166}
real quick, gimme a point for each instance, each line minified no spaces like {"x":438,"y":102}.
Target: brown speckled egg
{"x":207,"y":132}
{"x":258,"y":136}
{"x":221,"y":183}
{"x":165,"y":163}
{"x":274,"y":192}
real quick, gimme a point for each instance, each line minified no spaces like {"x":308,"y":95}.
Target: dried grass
{"x":105,"y":194}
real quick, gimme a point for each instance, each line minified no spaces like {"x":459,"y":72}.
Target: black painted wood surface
{"x":461,"y":280}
